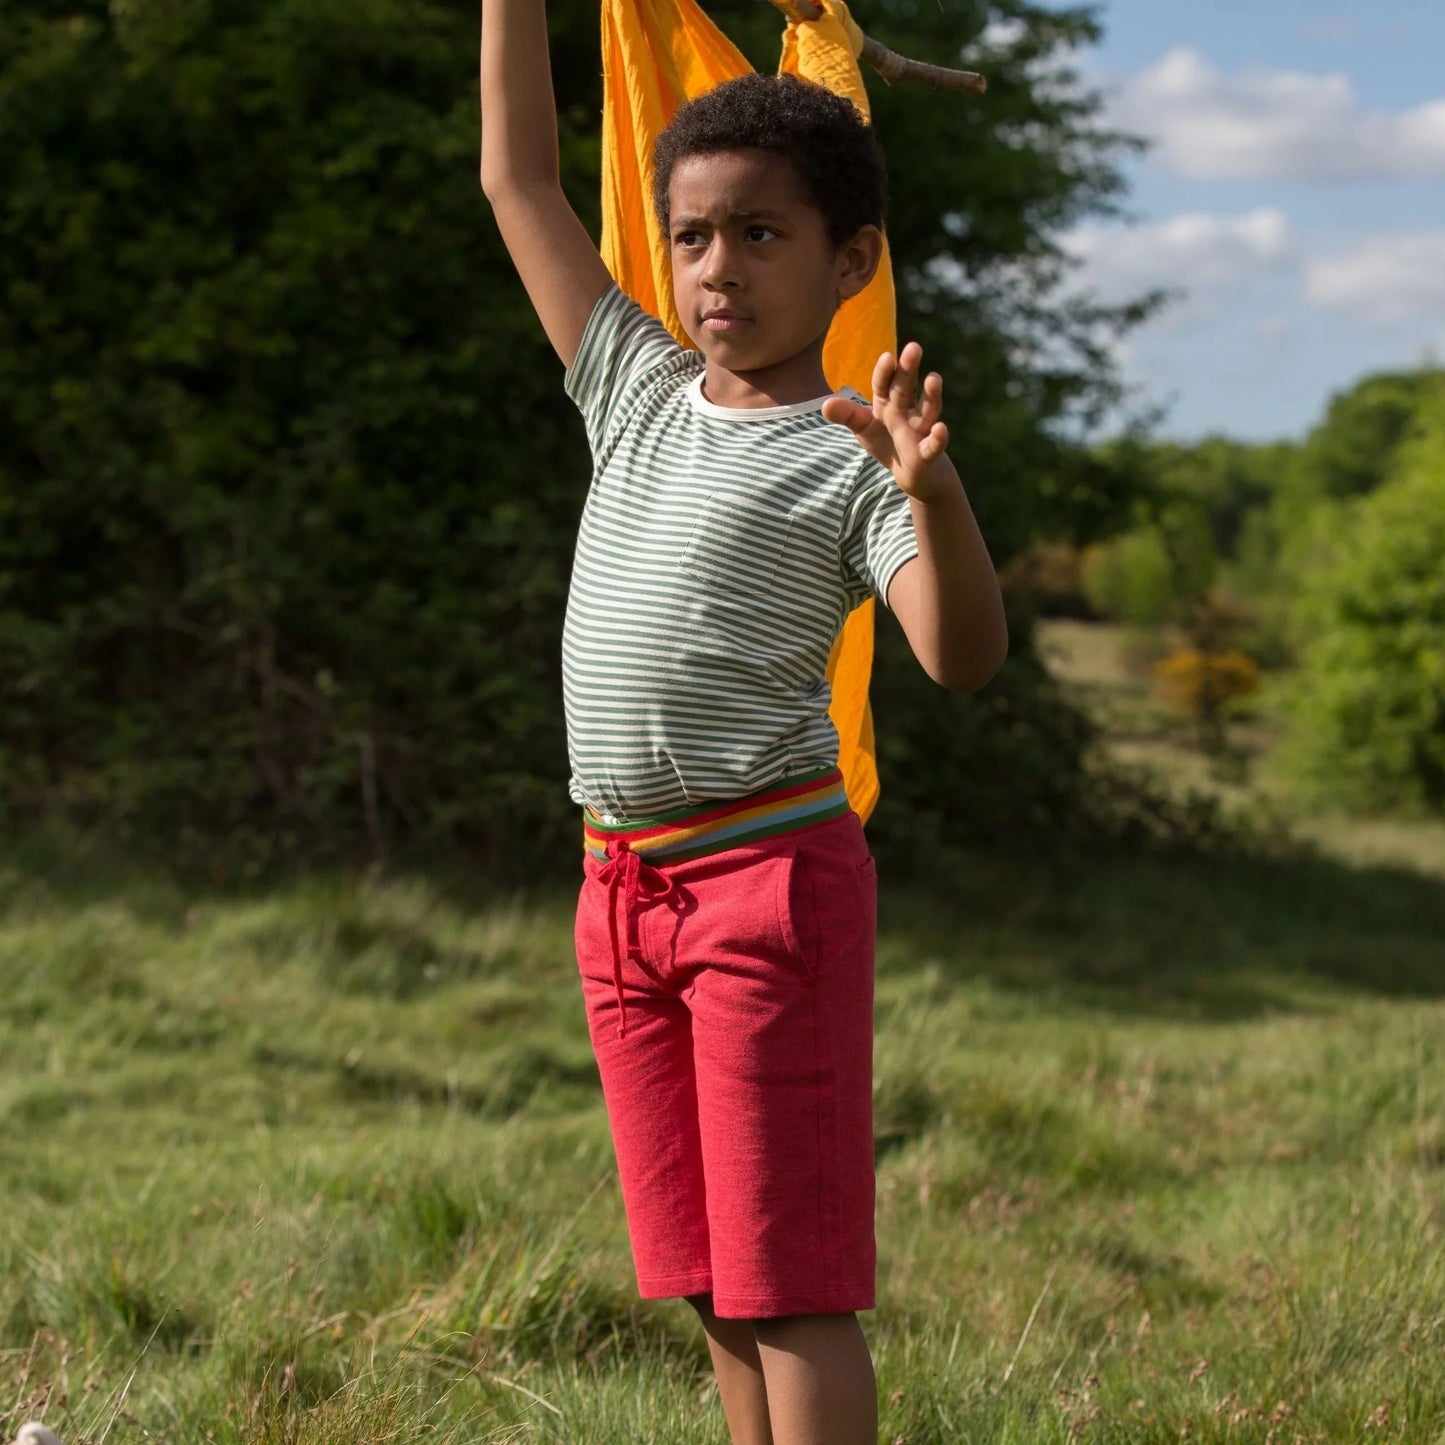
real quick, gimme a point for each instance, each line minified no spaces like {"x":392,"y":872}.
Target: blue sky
{"x":1295,"y":191}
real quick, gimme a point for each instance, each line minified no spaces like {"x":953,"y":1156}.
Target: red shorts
{"x":730,"y":1002}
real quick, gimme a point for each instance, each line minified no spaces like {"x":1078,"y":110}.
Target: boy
{"x":725,"y":925}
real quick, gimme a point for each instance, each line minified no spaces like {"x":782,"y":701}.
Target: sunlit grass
{"x":1160,"y":1157}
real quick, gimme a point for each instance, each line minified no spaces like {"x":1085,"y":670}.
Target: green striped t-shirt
{"x":719,"y":553}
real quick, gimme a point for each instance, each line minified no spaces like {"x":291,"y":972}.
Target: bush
{"x":1048,"y":580}
{"x":1200,"y":683}
{"x":272,"y":577}
{"x":1158,"y":572}
{"x":1368,"y":709}
{"x":1130,"y":579}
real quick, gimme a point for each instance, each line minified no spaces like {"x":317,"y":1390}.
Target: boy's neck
{"x":784,"y":385}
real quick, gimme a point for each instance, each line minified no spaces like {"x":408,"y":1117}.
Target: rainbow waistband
{"x":695,"y":832}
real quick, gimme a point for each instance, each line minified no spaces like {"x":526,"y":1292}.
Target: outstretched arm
{"x":947,"y":598}
{"x":550,"y":247}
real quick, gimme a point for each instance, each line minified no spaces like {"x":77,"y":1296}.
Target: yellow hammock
{"x":656,"y":54}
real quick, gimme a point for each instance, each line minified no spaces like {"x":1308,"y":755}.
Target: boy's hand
{"x":946,"y":598}
{"x":902,"y":429}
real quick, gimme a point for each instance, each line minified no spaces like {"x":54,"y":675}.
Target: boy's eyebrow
{"x":732,"y":216}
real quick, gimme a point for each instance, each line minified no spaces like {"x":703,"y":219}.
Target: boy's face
{"x":755,"y":277}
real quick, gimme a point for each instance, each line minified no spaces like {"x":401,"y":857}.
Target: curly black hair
{"x":833,"y":150}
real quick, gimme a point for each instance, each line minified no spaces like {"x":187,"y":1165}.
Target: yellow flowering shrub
{"x":1199,"y":683}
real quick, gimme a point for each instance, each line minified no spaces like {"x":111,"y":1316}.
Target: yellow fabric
{"x":655,"y":55}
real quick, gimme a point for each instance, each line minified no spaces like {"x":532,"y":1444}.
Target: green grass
{"x":1162,"y":1157}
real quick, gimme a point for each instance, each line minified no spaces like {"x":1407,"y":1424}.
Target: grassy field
{"x":1161,"y":1150}
{"x":1161,"y":1157}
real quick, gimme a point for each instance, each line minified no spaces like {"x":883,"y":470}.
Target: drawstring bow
{"x":626,"y":873}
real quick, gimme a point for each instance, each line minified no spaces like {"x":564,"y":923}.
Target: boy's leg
{"x":782,"y":1043}
{"x":738,"y":1367}
{"x":649,"y":1085}
{"x":820,"y":1385}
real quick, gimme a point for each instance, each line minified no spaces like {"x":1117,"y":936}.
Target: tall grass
{"x":1160,"y":1157}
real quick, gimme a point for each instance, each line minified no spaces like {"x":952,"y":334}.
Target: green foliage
{"x":1227,"y":481}
{"x":1271,"y":510}
{"x":271,"y":565}
{"x":1201,"y":535}
{"x":1201,"y":519}
{"x":1031,"y":793}
{"x":1230,"y":480}
{"x":1369,"y":709}
{"x":287,"y":482}
{"x":1130,"y":580}
{"x":1159,"y":572}
{"x":1352,"y":450}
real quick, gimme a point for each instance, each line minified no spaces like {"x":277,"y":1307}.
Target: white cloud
{"x":1203,"y":255}
{"x":1383,"y":280}
{"x":1002,"y":34}
{"x":1275,"y":125}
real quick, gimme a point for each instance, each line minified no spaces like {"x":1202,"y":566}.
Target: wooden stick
{"x":888,"y":63}
{"x":894,"y":67}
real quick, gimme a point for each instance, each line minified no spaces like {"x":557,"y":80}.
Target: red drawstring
{"x":625,"y":870}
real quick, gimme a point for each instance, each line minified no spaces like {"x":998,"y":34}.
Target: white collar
{"x":704,"y":407}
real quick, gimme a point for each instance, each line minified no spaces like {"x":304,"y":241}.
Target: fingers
{"x":895,"y":383}
{"x":905,"y":376}
{"x":847,"y":413}
{"x":931,"y":407}
{"x":883,"y":379}
{"x":909,"y":415}
{"x":895,"y":379}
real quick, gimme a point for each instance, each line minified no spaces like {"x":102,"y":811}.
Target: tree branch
{"x":888,"y":63}
{"x":894,"y":67}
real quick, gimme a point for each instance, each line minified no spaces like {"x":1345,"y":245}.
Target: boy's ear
{"x":858,"y":259}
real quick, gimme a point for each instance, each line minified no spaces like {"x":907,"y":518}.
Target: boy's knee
{"x":782,"y":1328}
{"x":702,"y":1303}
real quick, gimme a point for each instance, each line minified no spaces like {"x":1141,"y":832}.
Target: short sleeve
{"x":878,"y":536}
{"x":622,"y":353}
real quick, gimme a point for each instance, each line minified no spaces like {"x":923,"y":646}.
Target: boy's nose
{"x":719,"y":273}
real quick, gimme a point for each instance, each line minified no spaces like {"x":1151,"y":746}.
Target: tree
{"x":1352,"y":449}
{"x":269,"y":564}
{"x":1369,"y":709}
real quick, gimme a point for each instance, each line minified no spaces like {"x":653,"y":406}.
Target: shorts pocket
{"x":834,"y":897}
{"x":798,"y":912}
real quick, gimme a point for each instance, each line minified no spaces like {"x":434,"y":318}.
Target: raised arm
{"x":550,"y":247}
{"x":947,"y":598}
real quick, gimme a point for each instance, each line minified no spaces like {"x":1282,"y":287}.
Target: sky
{"x":1294,"y":190}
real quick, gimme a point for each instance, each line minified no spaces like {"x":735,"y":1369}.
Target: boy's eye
{"x":759,"y":233}
{"x":687,"y":238}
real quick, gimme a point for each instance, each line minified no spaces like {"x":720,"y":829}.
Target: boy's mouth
{"x":724,"y":320}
